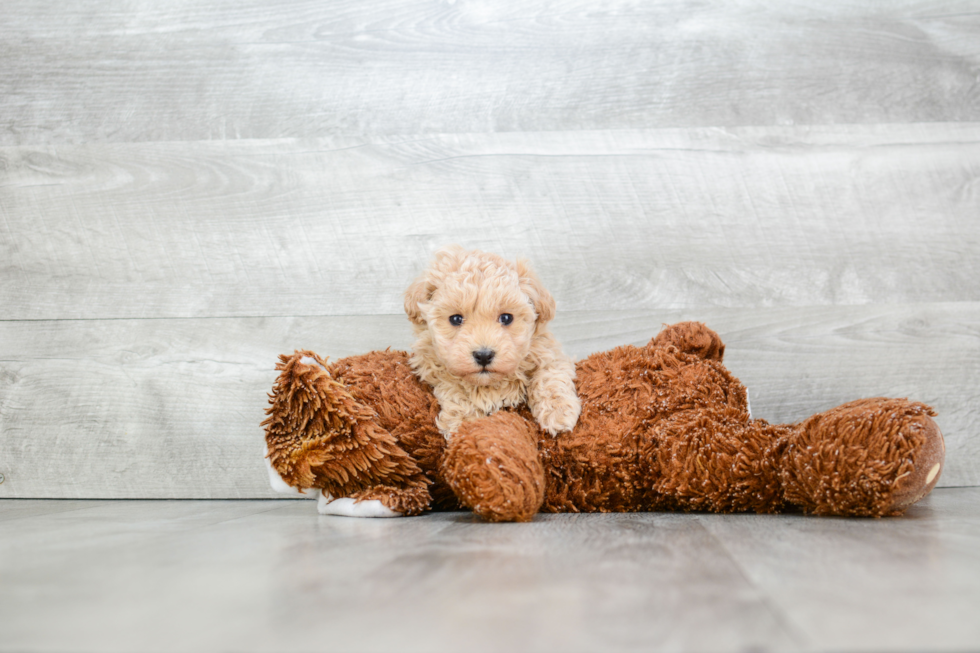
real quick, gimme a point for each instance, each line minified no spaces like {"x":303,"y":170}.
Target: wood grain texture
{"x":261,"y":576}
{"x":171,"y":408}
{"x":835,"y":582}
{"x":648,"y":219}
{"x":180,"y":182}
{"x":28,"y":509}
{"x":247,"y":576}
{"x":122,"y":71}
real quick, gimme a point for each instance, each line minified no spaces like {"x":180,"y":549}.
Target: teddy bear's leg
{"x":870,"y":457}
{"x":492,"y":465}
{"x":712,"y":458}
{"x":318,"y":436}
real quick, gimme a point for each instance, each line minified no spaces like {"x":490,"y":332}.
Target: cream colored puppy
{"x":483,"y":341}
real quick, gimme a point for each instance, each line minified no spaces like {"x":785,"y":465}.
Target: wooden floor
{"x":273,"y":576}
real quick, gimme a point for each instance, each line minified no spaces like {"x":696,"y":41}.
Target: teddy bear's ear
{"x":544,"y":303}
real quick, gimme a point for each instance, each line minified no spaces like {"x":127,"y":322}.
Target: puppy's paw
{"x":556,"y":415}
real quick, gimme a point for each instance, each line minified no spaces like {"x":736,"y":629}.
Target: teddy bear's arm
{"x":492,"y":465}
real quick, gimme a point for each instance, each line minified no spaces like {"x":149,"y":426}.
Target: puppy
{"x":483,"y":343}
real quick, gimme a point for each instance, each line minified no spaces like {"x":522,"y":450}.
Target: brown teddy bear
{"x":663,"y":427}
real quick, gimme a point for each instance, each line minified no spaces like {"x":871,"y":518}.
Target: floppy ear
{"x":544,"y":303}
{"x":418,"y":293}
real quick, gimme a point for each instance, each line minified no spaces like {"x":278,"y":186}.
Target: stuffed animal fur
{"x":664,"y":426}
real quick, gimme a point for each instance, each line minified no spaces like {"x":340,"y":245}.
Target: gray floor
{"x":274,"y":576}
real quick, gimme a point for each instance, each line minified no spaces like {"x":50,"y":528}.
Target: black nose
{"x":483,"y":356}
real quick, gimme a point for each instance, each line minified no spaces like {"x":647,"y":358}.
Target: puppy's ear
{"x":544,"y":303}
{"x":417,"y":294}
{"x":445,"y":260}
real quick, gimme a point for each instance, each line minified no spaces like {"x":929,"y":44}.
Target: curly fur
{"x":528,"y":365}
{"x":664,"y":426}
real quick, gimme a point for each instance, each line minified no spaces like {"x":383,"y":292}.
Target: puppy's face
{"x":479,"y":311}
{"x":481,"y":327}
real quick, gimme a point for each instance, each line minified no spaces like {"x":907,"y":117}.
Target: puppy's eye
{"x":456,"y":320}
{"x":505,"y":318}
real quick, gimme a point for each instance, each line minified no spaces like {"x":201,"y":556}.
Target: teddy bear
{"x":664,"y":426}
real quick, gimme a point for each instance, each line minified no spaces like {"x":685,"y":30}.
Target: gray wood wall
{"x":189,"y":189}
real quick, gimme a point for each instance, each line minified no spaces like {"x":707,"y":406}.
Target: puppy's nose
{"x":483,"y":356}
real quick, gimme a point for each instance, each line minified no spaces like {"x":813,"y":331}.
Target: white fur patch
{"x":327,"y":505}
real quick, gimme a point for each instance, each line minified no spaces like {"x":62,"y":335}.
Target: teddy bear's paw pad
{"x":346,"y":507}
{"x":930,"y":458}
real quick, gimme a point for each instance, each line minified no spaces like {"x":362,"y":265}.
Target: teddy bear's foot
{"x":870,"y":457}
{"x":493,"y":467}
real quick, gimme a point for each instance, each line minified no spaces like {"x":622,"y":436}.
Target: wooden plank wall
{"x":188,"y":190}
